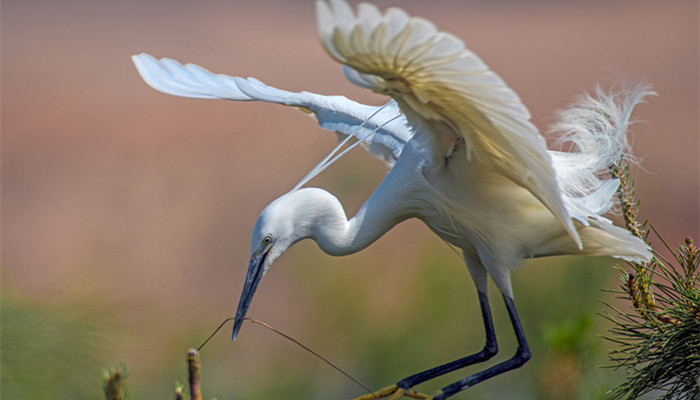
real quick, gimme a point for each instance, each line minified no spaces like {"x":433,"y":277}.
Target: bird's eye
{"x":267,"y":240}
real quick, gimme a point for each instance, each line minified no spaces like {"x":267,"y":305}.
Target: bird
{"x":463,"y":157}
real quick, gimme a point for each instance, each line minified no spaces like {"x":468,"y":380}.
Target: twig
{"x":193,"y":371}
{"x":215,"y":332}
{"x":255,"y":321}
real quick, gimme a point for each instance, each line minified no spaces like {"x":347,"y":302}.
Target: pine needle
{"x":658,"y":337}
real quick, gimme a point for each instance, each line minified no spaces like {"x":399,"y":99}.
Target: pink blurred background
{"x":113,"y":189}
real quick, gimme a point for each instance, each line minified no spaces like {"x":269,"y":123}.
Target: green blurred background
{"x":127,"y":213}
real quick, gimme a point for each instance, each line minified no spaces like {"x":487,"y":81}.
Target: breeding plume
{"x":463,"y":157}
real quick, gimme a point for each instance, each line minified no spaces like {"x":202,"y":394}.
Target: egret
{"x":463,"y":156}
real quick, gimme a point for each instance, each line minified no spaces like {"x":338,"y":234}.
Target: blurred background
{"x":126,"y":213}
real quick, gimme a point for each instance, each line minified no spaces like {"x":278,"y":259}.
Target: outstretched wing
{"x":445,"y":89}
{"x":382,"y":130}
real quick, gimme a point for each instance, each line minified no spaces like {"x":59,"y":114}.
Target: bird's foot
{"x":393,"y":392}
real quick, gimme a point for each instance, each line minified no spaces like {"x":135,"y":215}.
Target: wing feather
{"x":438,"y":83}
{"x":382,"y":133}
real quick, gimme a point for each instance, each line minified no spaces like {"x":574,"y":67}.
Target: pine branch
{"x":658,"y":338}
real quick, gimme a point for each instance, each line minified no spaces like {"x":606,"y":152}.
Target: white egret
{"x":464,"y":159}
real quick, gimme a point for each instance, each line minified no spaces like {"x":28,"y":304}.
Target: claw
{"x":381,"y":393}
{"x":395,"y":392}
{"x":409,"y":393}
{"x":416,"y":395}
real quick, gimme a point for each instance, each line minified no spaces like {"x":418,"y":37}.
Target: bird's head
{"x":282,"y":223}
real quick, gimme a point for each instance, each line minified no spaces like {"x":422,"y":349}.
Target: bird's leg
{"x":403,"y":387}
{"x":489,"y":350}
{"x":521,"y":356}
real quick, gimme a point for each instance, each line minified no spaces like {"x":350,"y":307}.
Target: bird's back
{"x":487,"y":215}
{"x":483,"y":210}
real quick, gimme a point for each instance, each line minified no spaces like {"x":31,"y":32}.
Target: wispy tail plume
{"x":593,"y":130}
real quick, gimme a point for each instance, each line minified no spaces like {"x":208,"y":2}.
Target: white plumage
{"x":463,"y":156}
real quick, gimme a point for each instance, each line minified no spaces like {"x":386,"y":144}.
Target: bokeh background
{"x":126,"y":213}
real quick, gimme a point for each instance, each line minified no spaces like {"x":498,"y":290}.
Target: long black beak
{"x":252,"y":279}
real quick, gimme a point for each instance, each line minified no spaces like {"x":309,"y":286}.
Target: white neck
{"x":338,"y":236}
{"x":314,"y":213}
{"x":320,"y":216}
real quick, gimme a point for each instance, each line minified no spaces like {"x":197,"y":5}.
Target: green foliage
{"x":114,"y":382}
{"x":180,"y":391}
{"x":659,"y":337}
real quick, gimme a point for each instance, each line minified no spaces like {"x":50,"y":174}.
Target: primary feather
{"x":378,"y":129}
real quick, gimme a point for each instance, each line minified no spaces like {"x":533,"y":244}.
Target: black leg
{"x":521,"y":356}
{"x":490,"y":349}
